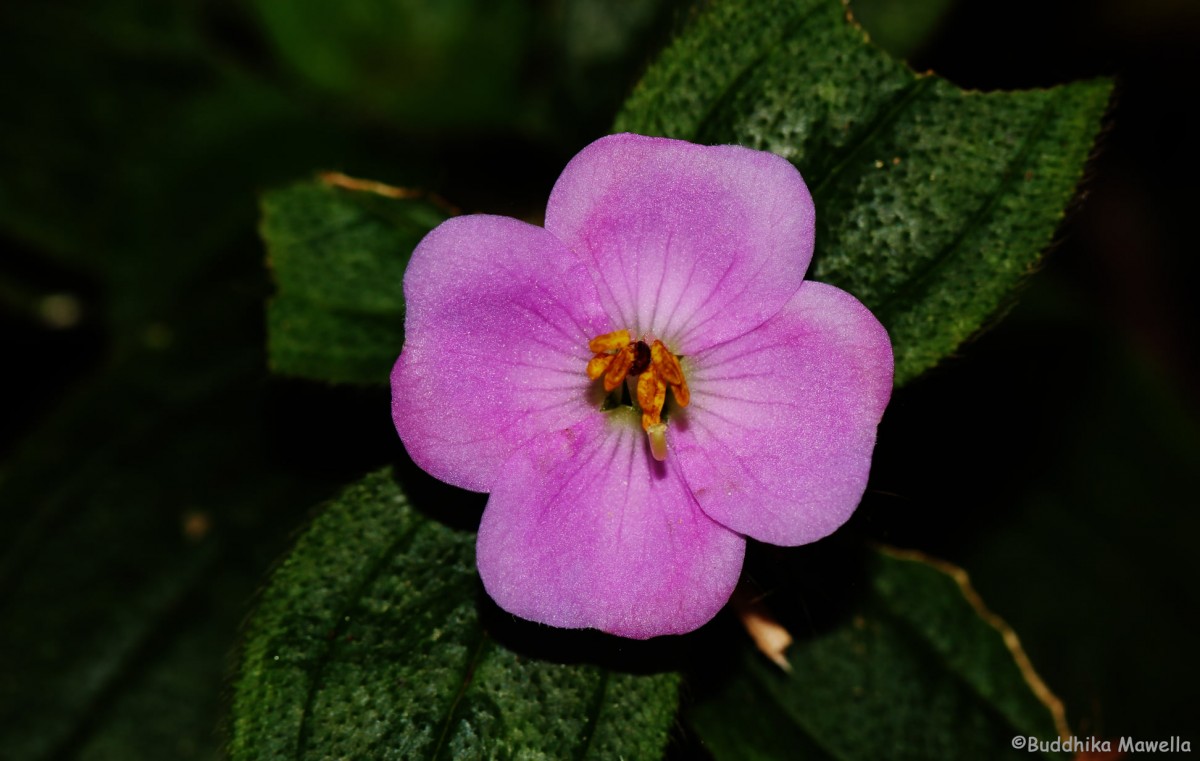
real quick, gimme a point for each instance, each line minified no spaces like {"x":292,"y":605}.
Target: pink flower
{"x":516,"y":379}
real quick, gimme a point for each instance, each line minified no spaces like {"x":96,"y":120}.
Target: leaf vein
{"x":920,"y":279}
{"x":326,"y":656}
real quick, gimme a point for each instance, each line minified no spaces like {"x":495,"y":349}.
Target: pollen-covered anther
{"x":618,"y":356}
{"x":668,"y":368}
{"x":651,"y":395}
{"x":615,"y":354}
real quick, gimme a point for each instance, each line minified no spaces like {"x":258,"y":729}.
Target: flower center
{"x":619,"y":357}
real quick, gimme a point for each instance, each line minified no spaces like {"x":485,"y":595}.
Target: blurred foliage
{"x":136,"y":148}
{"x":432,"y":65}
{"x":466,"y":67}
{"x":136,"y":523}
{"x":901,"y":28}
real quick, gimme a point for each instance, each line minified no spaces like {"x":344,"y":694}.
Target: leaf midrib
{"x":468,"y":675}
{"x":865,"y":137}
{"x":596,"y":708}
{"x":919,"y":280}
{"x":402,"y":543}
{"x":766,"y":52}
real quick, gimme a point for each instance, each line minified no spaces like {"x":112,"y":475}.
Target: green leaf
{"x":338,"y":257}
{"x":918,"y":670}
{"x":367,"y":644}
{"x":932,"y":203}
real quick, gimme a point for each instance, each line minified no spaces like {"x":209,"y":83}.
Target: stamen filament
{"x":658,"y":441}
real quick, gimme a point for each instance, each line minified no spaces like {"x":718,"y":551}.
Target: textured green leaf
{"x":932,"y":203}
{"x":915,"y":671}
{"x":367,"y":644}
{"x":338,"y":257}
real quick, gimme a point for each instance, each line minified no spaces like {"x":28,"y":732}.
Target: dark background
{"x":153,"y":470}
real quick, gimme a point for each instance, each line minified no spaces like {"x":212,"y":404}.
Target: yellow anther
{"x":668,"y":368}
{"x":598,"y":364}
{"x":619,"y":368}
{"x":651,"y":395}
{"x":610,"y":342}
{"x":615,"y":354}
{"x":617,"y":357}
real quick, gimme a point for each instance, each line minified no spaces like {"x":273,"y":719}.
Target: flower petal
{"x":777,"y":441}
{"x":690,"y":244}
{"x":498,"y":318}
{"x":584,"y":529}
